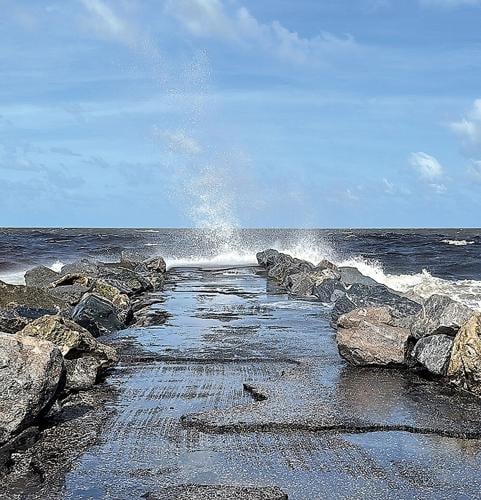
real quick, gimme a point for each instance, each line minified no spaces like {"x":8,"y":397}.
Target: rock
{"x":36,"y":298}
{"x":326,"y":264}
{"x":97,"y":314}
{"x":330,"y":290}
{"x":302,"y":284}
{"x":368,"y":336}
{"x":120,"y":300}
{"x":40,"y":277}
{"x":82,"y":373}
{"x":82,"y":267}
{"x":71,"y":294}
{"x":360,"y":295}
{"x":14,"y":319}
{"x":267,"y":258}
{"x":31,"y":375}
{"x":288,"y":266}
{"x":464,"y":367}
{"x":351,"y":275}
{"x":156,"y":264}
{"x":440,"y":315}
{"x":126,"y":280}
{"x":433,"y":353}
{"x":73,"y":340}
{"x":136,"y":255}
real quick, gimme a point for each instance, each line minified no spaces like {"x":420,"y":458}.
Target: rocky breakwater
{"x":49,"y":347}
{"x":376,"y":326}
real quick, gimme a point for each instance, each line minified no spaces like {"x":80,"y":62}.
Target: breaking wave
{"x":458,"y":243}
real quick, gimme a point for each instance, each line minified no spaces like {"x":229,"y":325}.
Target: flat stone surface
{"x":304,"y":422}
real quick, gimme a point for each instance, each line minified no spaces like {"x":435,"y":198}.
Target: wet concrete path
{"x":243,"y":386}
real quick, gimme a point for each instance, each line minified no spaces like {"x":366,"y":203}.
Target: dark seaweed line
{"x":190,"y":422}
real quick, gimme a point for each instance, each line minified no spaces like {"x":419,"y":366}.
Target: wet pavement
{"x":244,"y":387}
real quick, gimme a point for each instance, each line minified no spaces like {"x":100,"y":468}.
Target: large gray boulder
{"x":369,"y":336}
{"x":126,"y":280}
{"x":97,"y":314}
{"x":361,"y":295}
{"x":433,"y":353}
{"x":40,"y":277}
{"x":268,"y":258}
{"x":311,"y":283}
{"x":351,"y":275}
{"x":31,"y":376}
{"x":464,"y":367}
{"x":82,"y":373}
{"x":440,"y":315}
{"x":82,"y":267}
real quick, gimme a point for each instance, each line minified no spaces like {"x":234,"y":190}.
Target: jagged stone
{"x":440,"y":315}
{"x":97,"y":314}
{"x":40,"y":277}
{"x":433,"y":353}
{"x":31,"y":375}
{"x":351,"y":275}
{"x":465,"y":364}
{"x":360,"y":295}
{"x":368,"y":336}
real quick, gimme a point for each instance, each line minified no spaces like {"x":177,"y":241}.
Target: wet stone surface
{"x":244,"y":387}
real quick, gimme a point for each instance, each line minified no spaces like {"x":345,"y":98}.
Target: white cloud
{"x":426,"y":166}
{"x":469,"y":128}
{"x":212,"y":19}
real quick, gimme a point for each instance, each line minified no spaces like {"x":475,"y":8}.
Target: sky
{"x":251,"y":113}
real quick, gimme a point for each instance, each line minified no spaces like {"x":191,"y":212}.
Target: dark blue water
{"x":398,"y":251}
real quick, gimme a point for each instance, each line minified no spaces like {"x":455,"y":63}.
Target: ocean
{"x":422,"y":261}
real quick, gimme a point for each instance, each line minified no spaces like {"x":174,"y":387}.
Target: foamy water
{"x":458,"y":243}
{"x":421,"y":283}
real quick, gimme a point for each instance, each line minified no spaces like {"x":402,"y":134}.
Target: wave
{"x":422,"y":283}
{"x":458,"y":243}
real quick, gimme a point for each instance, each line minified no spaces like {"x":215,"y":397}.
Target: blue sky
{"x":180,"y":113}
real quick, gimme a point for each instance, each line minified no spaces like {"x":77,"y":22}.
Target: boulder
{"x":464,"y":367}
{"x":31,"y":376}
{"x":136,"y":255}
{"x":40,"y":277}
{"x":267,"y":258}
{"x":16,"y":318}
{"x":326,"y":264}
{"x":156,"y":265}
{"x":97,"y":314}
{"x":36,"y":298}
{"x":287,"y":266}
{"x":300,"y":284}
{"x":440,"y":315}
{"x":360,"y":295}
{"x":126,"y":280}
{"x":71,"y":294}
{"x":351,"y":275}
{"x":73,"y":340}
{"x":368,"y":336}
{"x":82,"y":373}
{"x":329,"y":290}
{"x":303,"y":284}
{"x":82,"y":267}
{"x":433,"y":353}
